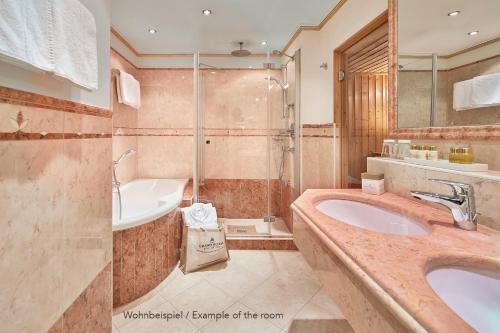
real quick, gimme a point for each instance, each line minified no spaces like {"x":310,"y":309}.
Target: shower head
{"x":279,"y":53}
{"x":240,"y":52}
{"x":283,"y":86}
{"x":125,"y":155}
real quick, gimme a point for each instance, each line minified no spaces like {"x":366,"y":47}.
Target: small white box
{"x":372,"y":183}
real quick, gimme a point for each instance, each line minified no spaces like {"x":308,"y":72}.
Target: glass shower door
{"x":241,"y":141}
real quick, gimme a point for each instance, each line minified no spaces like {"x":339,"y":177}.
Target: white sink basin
{"x":473,"y":294}
{"x":372,"y":218}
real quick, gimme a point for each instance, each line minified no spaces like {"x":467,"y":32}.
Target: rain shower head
{"x":279,"y":53}
{"x":241,"y":52}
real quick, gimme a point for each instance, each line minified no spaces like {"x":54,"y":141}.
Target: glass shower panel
{"x":235,"y":169}
{"x":245,"y":148}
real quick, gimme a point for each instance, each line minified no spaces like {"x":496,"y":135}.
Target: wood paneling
{"x":371,"y":39}
{"x":368,"y":121}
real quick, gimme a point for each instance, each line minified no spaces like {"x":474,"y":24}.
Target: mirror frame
{"x":484,"y":132}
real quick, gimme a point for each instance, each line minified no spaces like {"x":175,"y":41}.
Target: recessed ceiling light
{"x":455,"y":13}
{"x":473,"y":33}
{"x":207,"y":12}
{"x":152,"y":31}
{"x":263,"y":43}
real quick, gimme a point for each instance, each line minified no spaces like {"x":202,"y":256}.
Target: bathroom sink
{"x":371,"y":217}
{"x":473,"y":294}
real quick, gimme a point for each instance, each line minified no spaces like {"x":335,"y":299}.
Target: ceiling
{"x":182,"y":28}
{"x":425,"y":27}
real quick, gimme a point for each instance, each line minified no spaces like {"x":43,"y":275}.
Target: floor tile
{"x":203,"y":298}
{"x":160,"y":325}
{"x":282,"y":294}
{"x":240,"y":325}
{"x":177,"y":284}
{"x":233,"y":278}
{"x":268,"y":282}
{"x":321,"y":306}
{"x":149,"y":303}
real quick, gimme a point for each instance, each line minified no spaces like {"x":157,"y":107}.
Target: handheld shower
{"x":116,"y":183}
{"x":283,"y":86}
{"x":124,"y":156}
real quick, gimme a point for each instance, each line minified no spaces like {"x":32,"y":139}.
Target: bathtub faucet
{"x":115,"y":182}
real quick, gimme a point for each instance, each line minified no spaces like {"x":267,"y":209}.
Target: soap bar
{"x":372,"y":183}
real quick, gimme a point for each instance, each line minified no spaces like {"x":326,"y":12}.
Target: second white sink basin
{"x":473,"y":294}
{"x":371,"y":217}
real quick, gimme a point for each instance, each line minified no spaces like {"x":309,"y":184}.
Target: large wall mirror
{"x":448,"y":65}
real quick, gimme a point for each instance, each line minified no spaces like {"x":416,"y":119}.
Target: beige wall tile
{"x":165,"y":157}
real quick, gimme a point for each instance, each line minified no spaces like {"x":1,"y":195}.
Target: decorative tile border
{"x":21,"y":136}
{"x":317,"y":130}
{"x":129,"y":131}
{"x":19,"y":97}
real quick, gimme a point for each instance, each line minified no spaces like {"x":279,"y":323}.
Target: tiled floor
{"x":257,"y":281}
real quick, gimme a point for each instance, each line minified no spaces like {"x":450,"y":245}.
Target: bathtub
{"x":145,"y":200}
{"x":147,"y":240}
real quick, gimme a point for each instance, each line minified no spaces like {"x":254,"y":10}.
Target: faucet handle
{"x":458,"y":188}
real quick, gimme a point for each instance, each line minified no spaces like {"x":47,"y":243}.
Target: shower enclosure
{"x":246,"y":144}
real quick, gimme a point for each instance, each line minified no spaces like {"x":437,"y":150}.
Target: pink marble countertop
{"x":398,"y":264}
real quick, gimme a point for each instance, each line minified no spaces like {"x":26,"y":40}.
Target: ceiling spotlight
{"x":455,"y":13}
{"x":207,"y":12}
{"x":263,"y":43}
{"x":152,"y":31}
{"x":473,"y":33}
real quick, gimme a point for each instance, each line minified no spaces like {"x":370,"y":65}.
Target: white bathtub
{"x":145,"y":200}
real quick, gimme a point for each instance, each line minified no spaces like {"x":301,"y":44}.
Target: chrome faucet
{"x":115,"y":182}
{"x":461,"y":204}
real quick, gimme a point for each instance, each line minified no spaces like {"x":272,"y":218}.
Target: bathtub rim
{"x":157,"y":213}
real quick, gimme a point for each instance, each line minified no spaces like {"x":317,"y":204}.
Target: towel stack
{"x":479,"y":92}
{"x":200,"y":216}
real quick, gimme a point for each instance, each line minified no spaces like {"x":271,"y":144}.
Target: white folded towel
{"x":200,"y":216}
{"x":128,"y":90}
{"x":462,"y":95}
{"x":25,"y":31}
{"x":74,"y":39}
{"x":486,"y":90}
{"x":57,"y":36}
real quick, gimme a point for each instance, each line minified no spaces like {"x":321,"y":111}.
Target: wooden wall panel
{"x":368,"y":120}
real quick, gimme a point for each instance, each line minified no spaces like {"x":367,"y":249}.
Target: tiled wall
{"x":401,"y":178}
{"x":55,"y":206}
{"x":318,"y":163}
{"x":124,"y":119}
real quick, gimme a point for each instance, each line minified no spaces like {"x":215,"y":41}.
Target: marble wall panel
{"x":55,"y":208}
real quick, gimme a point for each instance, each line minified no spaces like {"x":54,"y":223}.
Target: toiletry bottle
{"x":422,"y":153}
{"x":467,"y":157}
{"x":452,"y":157}
{"x":432,"y":153}
{"x":459,"y":156}
{"x":414,"y":151}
